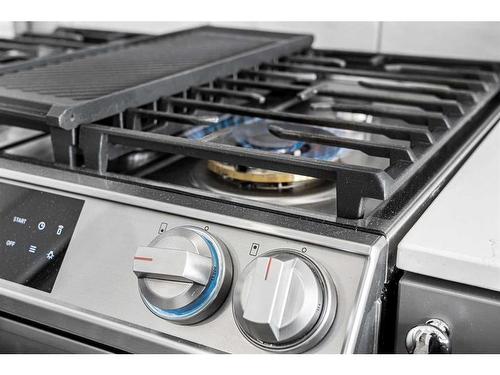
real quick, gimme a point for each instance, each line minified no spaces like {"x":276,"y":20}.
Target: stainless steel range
{"x":218,"y":190}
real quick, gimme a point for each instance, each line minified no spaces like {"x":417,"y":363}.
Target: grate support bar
{"x":414,"y":133}
{"x":376,"y":183}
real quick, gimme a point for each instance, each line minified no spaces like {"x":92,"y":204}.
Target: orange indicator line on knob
{"x":268,"y":267}
{"x":144,"y":258}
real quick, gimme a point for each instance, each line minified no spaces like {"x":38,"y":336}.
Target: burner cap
{"x":257,"y":136}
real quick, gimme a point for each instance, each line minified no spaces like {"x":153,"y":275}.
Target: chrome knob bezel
{"x":325,"y":319}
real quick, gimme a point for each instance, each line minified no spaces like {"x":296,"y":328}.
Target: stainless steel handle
{"x":429,"y":338}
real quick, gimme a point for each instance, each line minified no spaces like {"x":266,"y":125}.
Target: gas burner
{"x":258,"y":179}
{"x":253,"y":133}
{"x":295,"y":190}
{"x":257,"y":136}
{"x":219,"y":124}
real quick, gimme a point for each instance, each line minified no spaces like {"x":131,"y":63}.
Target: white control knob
{"x":184,"y":274}
{"x":284,"y":302}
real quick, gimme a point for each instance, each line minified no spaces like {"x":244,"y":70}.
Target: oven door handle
{"x":429,"y":338}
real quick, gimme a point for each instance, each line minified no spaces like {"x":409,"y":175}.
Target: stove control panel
{"x":284,"y":301}
{"x":36,"y":228}
{"x":184,"y":274}
{"x":163,"y":277}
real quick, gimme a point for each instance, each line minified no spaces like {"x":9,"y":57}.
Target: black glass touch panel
{"x":35,"y":230}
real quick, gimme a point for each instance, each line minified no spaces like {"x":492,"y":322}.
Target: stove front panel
{"x":472,"y":314}
{"x":96,"y":294}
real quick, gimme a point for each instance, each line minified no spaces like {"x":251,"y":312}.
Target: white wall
{"x":6,"y":29}
{"x":342,"y":35}
{"x":473,"y":40}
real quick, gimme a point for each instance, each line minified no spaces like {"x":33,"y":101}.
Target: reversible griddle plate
{"x":95,"y":83}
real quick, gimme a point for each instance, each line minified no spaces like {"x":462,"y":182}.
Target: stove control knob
{"x":284,"y":302}
{"x":184,"y":275}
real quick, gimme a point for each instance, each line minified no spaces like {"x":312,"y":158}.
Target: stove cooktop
{"x":346,"y":137}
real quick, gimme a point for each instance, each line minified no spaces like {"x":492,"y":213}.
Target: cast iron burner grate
{"x":433,"y":99}
{"x":32,"y":45}
{"x":424,"y":108}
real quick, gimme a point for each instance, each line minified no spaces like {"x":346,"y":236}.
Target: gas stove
{"x":219,"y":190}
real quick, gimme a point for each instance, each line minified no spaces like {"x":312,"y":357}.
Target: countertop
{"x":458,"y":236}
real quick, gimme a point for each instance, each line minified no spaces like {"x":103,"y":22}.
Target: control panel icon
{"x":20,"y":220}
{"x":254,"y":249}
{"x":50,"y":255}
{"x":32,"y":249}
{"x":59,"y":230}
{"x":41,"y":225}
{"x":163,"y":228}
